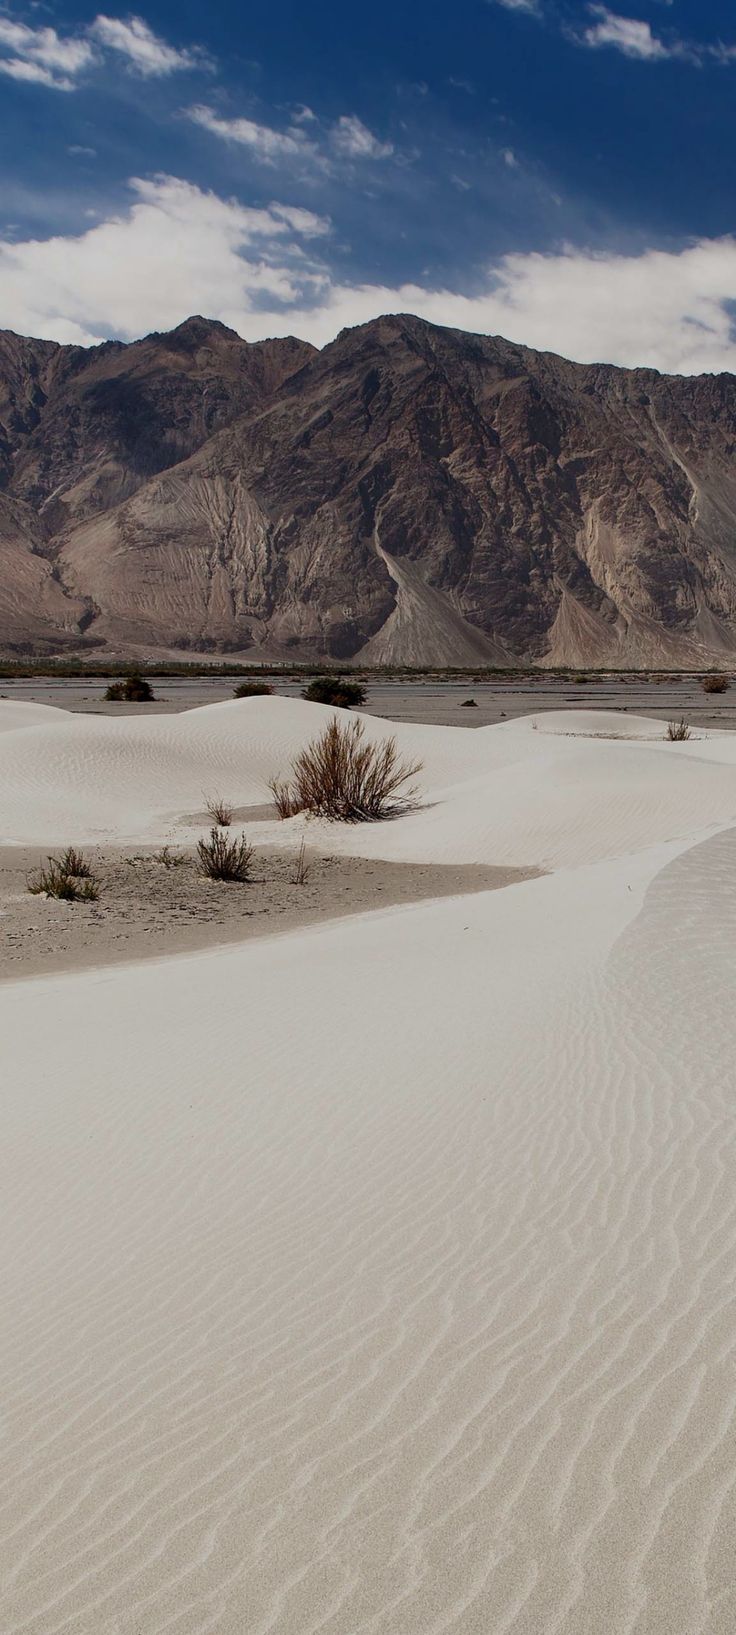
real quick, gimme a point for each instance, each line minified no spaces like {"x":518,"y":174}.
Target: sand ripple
{"x":416,"y":1325}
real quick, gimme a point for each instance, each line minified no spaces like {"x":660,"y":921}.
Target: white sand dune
{"x":14,"y":716}
{"x":379,"y":1277}
{"x":546,"y":790}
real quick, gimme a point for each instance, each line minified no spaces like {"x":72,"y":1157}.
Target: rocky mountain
{"x":409,"y":494}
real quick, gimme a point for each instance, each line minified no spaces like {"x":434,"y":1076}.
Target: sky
{"x":558,"y":172}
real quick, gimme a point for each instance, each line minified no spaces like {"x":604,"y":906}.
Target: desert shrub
{"x":219,"y":811}
{"x":251,"y":689}
{"x":73,"y":863}
{"x":341,"y":777}
{"x":468,"y":704}
{"x":221,"y":858}
{"x":335,"y":690}
{"x":580,"y":680}
{"x":52,"y":881}
{"x":677,"y":732}
{"x":131,"y":690}
{"x":715,"y":684}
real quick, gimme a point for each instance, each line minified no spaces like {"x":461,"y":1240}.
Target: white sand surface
{"x":16,"y":715}
{"x":379,"y":1277}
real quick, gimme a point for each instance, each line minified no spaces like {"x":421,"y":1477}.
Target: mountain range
{"x":407,"y":495}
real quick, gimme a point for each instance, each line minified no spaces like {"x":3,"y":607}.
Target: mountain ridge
{"x":407,"y":494}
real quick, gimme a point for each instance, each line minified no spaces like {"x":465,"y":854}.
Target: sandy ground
{"x":147,"y":908}
{"x":430,"y":703}
{"x":377,"y":1278}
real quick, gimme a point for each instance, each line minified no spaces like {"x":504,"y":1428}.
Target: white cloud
{"x":179,"y":250}
{"x":510,"y":159}
{"x":532,"y":6}
{"x":301,"y":221}
{"x":264,"y":142}
{"x":349,"y":138}
{"x":629,"y":36}
{"x":34,"y":74}
{"x":663,"y":310}
{"x":149,"y":55}
{"x":353,"y":140}
{"x":40,"y":56}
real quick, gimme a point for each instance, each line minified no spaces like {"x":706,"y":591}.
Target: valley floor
{"x":378,"y":1277}
{"x":428,"y":703}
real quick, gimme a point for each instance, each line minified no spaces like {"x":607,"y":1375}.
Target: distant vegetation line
{"x":64,"y":669}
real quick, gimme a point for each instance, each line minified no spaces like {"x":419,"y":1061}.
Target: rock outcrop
{"x":409,"y":494}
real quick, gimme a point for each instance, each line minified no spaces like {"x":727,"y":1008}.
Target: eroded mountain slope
{"x":409,"y":494}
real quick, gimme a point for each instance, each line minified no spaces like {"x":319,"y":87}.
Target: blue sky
{"x":556,"y":171}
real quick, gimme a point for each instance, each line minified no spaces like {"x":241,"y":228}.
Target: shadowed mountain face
{"x":409,"y":494}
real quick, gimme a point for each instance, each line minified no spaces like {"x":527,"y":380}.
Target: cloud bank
{"x":178,"y":249}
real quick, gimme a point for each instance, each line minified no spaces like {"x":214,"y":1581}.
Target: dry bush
{"x":73,"y":863}
{"x":341,"y":777}
{"x":469,"y":704}
{"x":223,"y":859}
{"x":219,"y":811}
{"x":715,"y":684}
{"x":284,"y":799}
{"x":677,"y":732}
{"x":51,"y":881}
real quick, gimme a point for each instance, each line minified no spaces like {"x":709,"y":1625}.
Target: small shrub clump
{"x":300,"y":872}
{"x":68,"y":877}
{"x":677,"y":732}
{"x":341,"y":777}
{"x":715,"y":684}
{"x":222,"y":858}
{"x":468,"y":704}
{"x":335,"y":690}
{"x":131,"y":690}
{"x":219,"y":811}
{"x":169,"y":859}
{"x":251,"y":689}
